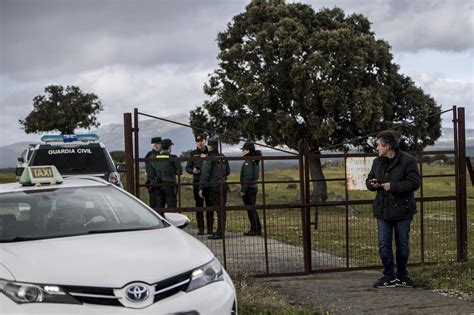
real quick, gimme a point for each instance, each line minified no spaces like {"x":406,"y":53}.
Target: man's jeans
{"x":385,"y":234}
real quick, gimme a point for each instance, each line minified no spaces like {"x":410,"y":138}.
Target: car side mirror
{"x":21,"y":160}
{"x":177,"y":219}
{"x":121,"y":168}
{"x":19,"y":171}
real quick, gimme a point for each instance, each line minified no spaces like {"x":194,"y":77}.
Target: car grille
{"x":168,"y":287}
{"x":105,"y":296}
{"x":93,"y":295}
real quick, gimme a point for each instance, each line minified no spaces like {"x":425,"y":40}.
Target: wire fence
{"x":342,"y":231}
{"x":300,"y":236}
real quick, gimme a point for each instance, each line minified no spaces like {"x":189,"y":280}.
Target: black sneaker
{"x":405,"y":281}
{"x":386,"y":282}
{"x":201,"y":232}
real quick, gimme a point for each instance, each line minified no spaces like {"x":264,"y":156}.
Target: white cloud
{"x":448,"y":93}
{"x":156,"y":54}
{"x":160,"y":90}
{"x":410,"y":25}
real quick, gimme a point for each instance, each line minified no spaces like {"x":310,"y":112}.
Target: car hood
{"x":105,"y":260}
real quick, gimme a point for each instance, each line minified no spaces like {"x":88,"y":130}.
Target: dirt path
{"x":352,"y":292}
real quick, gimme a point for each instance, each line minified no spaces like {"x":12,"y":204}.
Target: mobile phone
{"x":375,"y":181}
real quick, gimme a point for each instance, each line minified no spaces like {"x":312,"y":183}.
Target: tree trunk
{"x":320,"y":189}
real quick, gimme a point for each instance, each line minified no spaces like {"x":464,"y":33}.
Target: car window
{"x":71,"y":211}
{"x":74,"y":159}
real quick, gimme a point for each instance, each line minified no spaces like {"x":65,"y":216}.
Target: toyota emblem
{"x":137,"y":293}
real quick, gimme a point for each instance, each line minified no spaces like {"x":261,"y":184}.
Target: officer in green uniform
{"x":195,"y":168}
{"x":155,"y":150}
{"x":249,"y":174}
{"x":213,"y":182}
{"x":165,"y":172}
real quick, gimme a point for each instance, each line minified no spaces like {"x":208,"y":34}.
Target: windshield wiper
{"x":121,"y":230}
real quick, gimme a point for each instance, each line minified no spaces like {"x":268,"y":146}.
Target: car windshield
{"x":73,"y":159}
{"x":62,"y":212}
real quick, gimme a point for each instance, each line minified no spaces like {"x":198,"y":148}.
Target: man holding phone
{"x":194,"y":168}
{"x":395,"y":178}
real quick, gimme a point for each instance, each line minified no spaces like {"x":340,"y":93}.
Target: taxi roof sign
{"x":37,"y":175}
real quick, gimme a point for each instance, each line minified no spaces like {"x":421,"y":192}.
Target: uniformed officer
{"x":155,"y":150}
{"x":195,"y":168}
{"x":249,"y":174}
{"x":165,"y":172}
{"x":213,"y":181}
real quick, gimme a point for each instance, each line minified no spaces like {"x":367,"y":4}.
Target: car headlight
{"x":204,"y":275}
{"x":35,"y":293}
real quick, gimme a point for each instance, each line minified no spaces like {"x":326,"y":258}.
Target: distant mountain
{"x":112,"y":136}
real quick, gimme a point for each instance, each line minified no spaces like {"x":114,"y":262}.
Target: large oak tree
{"x":62,"y":109}
{"x":287,"y":72}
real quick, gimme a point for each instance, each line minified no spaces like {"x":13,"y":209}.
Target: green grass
{"x":456,"y":276}
{"x":7,"y":177}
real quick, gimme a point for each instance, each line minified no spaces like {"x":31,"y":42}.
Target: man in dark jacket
{"x":249,"y":174}
{"x":195,"y":168}
{"x":155,"y":150}
{"x":164,"y":173}
{"x":213,"y":181}
{"x":395,"y":178}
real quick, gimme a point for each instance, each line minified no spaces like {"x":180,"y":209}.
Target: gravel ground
{"x":352,"y":292}
{"x":330,"y":293}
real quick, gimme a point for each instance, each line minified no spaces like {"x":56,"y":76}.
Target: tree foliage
{"x":287,"y":72}
{"x":62,"y":109}
{"x":118,"y":156}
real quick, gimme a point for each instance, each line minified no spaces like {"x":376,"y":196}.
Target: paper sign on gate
{"x":357,"y":169}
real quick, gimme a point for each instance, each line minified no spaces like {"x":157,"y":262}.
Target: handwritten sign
{"x":357,"y":169}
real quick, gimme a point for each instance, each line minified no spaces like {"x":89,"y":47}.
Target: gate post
{"x":461,"y":202}
{"x":136,"y":153}
{"x":305,"y":199}
{"x":127,"y":126}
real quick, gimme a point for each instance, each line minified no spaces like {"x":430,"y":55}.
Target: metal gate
{"x":303,"y":237}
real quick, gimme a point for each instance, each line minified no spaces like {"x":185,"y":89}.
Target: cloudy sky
{"x":156,"y":54}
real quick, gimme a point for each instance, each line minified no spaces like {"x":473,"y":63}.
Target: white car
{"x":82,"y":245}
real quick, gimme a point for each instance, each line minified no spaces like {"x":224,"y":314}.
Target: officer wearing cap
{"x":212,"y":185}
{"x":249,"y":174}
{"x":195,"y":167}
{"x":164,"y":173}
{"x":155,"y":150}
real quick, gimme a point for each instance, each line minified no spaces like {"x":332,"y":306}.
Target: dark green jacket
{"x":249,"y":173}
{"x":213,"y":172}
{"x":148,"y":167}
{"x":195,"y":164}
{"x":399,"y":202}
{"x":166,"y":171}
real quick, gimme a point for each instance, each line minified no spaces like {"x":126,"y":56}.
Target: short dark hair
{"x":390,"y":137}
{"x":199,"y":138}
